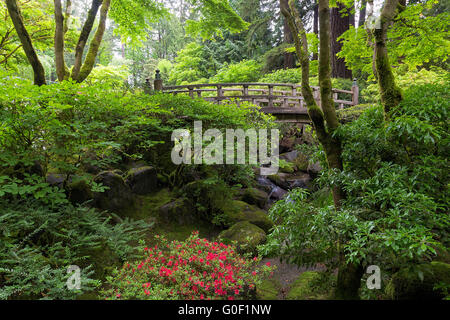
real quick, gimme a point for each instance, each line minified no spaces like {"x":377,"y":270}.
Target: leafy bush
{"x":283,"y":76}
{"x":244,"y":71}
{"x":396,"y":181}
{"x":195,"y":269}
{"x":39,"y":242}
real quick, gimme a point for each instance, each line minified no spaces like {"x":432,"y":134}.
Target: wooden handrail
{"x":269,"y":97}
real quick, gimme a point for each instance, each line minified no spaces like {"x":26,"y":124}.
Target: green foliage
{"x":396,"y":181}
{"x":109,"y":77}
{"x":419,"y":37}
{"x":39,"y":242}
{"x":244,"y":71}
{"x":283,"y":76}
{"x":216,"y":16}
{"x":192,"y":65}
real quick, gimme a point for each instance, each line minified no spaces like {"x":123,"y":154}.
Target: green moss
{"x":238,"y":211}
{"x":255,"y":196}
{"x":419,"y":282}
{"x":352,"y":113}
{"x":268,"y":290}
{"x":246,"y":234}
{"x":148,"y":205}
{"x":306,"y":287}
{"x":80,"y":192}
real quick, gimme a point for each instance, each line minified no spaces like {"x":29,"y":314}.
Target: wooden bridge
{"x":283,"y":100}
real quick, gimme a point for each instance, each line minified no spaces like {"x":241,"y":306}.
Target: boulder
{"x":418,"y":283}
{"x":178,"y":211}
{"x":246,"y":234}
{"x":277,"y":193}
{"x":142,"y":180}
{"x":56,"y":179}
{"x":280,"y":179}
{"x":287,"y":143}
{"x":314,"y":169}
{"x":80,"y":192}
{"x":298,"y":160}
{"x":238,"y":211}
{"x":302,"y":180}
{"x":117,"y":197}
{"x":255,"y":196}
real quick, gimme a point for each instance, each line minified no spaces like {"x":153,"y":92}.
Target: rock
{"x":407,"y":284}
{"x":142,"y":180}
{"x":265,"y":184}
{"x":277,"y":193}
{"x":178,"y":211}
{"x":305,"y":287}
{"x":117,"y":197}
{"x":255,"y":196}
{"x":287,"y":167}
{"x":314,"y":169}
{"x":299,"y":181}
{"x":80,"y":192}
{"x":279,"y":179}
{"x":298,"y":160}
{"x":287,"y":143}
{"x":238,"y":211}
{"x":246,"y":234}
{"x":56,"y":179}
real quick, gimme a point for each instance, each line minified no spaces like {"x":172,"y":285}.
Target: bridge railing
{"x":266,"y":95}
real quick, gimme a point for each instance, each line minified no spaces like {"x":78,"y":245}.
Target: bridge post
{"x":270,"y":96}
{"x":158,"y":83}
{"x":147,"y":86}
{"x":219,"y":94}
{"x":355,"y":94}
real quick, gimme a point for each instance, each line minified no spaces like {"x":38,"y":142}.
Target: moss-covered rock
{"x":118,"y":195}
{"x":80,"y":192}
{"x":419,"y":282}
{"x":268,"y":290}
{"x":255,"y":196}
{"x":306,"y":287}
{"x":238,"y":211}
{"x":279,"y":179}
{"x":142,"y":180}
{"x":246,"y":234}
{"x":179,"y":211}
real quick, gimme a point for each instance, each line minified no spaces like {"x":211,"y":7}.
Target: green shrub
{"x":244,"y":71}
{"x":283,"y":76}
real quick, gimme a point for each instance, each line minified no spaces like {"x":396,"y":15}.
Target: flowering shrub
{"x":194,"y":269}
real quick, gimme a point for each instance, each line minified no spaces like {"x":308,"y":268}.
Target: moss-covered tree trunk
{"x":324,"y":119}
{"x":25,"y":40}
{"x":60,"y":28}
{"x":390,"y":93}
{"x":89,"y":61}
{"x":84,"y":35}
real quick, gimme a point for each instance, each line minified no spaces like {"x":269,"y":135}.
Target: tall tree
{"x":25,"y":39}
{"x":340,"y":22}
{"x":362,"y":13}
{"x":325,"y":122}
{"x":289,"y":58}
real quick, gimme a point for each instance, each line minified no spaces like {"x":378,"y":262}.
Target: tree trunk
{"x":95,"y":43}
{"x":348,"y":282}
{"x":316,"y":27}
{"x":84,"y":35}
{"x":61,"y":69}
{"x":362,"y":13}
{"x":339,"y":25}
{"x":289,"y":57}
{"x":25,"y":40}
{"x":390,"y":93}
